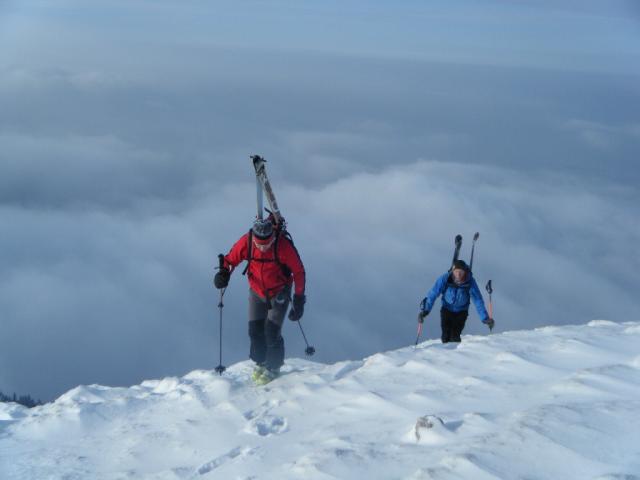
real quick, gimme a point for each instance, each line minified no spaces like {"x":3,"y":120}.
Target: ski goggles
{"x":263,"y":244}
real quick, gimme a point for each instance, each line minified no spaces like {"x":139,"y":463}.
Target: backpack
{"x":280,"y":230}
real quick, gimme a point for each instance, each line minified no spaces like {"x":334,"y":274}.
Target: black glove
{"x":221,"y":280}
{"x":297,"y":307}
{"x":421,"y":315}
{"x":489,"y":322}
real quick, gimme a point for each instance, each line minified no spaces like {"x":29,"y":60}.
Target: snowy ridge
{"x":552,"y":403}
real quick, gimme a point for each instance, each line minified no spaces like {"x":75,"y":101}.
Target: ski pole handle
{"x":220,"y":261}
{"x":490,"y":291}
{"x":489,"y":287}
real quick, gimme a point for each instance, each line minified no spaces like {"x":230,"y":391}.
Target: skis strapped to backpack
{"x":473,"y":247}
{"x":259,"y":164}
{"x":456,"y":255}
{"x":279,"y":223}
{"x":458,"y":244}
{"x":456,"y":251}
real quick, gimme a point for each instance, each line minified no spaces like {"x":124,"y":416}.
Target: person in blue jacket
{"x":457,"y":288}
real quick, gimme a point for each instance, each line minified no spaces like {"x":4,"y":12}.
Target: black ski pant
{"x":265,"y":327}
{"x":452,"y":324}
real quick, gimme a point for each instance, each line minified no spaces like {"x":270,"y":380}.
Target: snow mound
{"x":555,"y":402}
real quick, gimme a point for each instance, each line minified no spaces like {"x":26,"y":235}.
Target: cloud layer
{"x":113,"y":298}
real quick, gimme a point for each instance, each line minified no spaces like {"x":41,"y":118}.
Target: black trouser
{"x":265,"y":325}
{"x":452,"y":324}
{"x":267,"y":344}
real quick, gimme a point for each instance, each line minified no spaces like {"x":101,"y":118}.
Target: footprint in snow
{"x":265,"y":425}
{"x":222,"y":459}
{"x":262,"y":410}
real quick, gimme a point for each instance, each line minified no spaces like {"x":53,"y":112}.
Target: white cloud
{"x":98,"y":170}
{"x":604,"y":136}
{"x":105,"y":282}
{"x":25,"y":80}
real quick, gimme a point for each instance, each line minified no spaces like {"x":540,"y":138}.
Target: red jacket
{"x":266,"y":275}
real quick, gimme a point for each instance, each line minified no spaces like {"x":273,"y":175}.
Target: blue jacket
{"x":456,"y":298}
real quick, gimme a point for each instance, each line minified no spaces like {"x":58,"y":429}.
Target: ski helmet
{"x":262,"y":229}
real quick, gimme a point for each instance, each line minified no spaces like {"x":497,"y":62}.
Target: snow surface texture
{"x":553,"y":403}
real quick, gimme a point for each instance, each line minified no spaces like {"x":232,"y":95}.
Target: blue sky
{"x":125,"y":132}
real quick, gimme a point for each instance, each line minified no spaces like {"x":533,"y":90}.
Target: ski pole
{"x":309,"y":350}
{"x":421,"y":317}
{"x":221,"y":368}
{"x":419,"y":333}
{"x":490,"y":291}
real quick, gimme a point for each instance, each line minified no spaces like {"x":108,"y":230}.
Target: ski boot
{"x":258,"y":370}
{"x":267,"y":376}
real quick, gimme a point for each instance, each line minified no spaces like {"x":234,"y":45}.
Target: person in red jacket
{"x":274,"y":266}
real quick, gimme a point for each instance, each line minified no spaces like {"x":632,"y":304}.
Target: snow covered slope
{"x":553,"y":403}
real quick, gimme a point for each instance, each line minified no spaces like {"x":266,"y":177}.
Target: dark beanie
{"x":461,"y":264}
